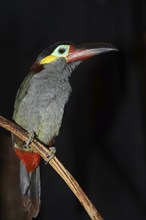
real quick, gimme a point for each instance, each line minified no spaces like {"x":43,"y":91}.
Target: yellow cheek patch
{"x":48,"y":59}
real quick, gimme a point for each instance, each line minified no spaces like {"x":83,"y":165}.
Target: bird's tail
{"x":30,"y":190}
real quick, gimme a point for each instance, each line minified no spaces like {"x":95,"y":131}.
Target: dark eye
{"x":61,"y":50}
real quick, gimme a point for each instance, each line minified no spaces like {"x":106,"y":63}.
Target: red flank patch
{"x":31,"y":160}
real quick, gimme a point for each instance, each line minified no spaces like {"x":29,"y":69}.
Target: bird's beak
{"x":84,"y":51}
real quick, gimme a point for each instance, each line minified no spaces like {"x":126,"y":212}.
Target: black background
{"x":102,"y":138}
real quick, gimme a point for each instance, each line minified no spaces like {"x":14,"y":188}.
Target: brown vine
{"x":56,"y":165}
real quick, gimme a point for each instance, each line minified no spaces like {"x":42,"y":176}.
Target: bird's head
{"x":72,"y":54}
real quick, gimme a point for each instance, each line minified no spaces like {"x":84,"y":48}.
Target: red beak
{"x":84,"y":51}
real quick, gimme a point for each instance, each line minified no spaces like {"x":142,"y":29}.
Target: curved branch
{"x":56,"y":165}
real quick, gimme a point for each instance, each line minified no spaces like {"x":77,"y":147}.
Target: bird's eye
{"x":61,"y":50}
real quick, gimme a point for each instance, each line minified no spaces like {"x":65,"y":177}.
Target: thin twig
{"x":57,"y":166}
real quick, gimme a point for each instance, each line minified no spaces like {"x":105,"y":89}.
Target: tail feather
{"x":30,"y":190}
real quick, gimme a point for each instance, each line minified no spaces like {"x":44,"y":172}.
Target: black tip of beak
{"x":100,"y":47}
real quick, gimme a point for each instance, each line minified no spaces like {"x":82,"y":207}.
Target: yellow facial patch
{"x":48,"y":59}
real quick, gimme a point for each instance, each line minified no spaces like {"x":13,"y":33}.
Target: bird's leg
{"x":51,"y":154}
{"x":30,"y":139}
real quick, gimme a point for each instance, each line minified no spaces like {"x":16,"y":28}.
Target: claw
{"x":30,"y":139}
{"x":51,"y":154}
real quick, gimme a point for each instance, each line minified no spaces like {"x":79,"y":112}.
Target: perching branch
{"x":57,"y":166}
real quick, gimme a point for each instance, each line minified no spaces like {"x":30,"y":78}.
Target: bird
{"x":39,"y":108}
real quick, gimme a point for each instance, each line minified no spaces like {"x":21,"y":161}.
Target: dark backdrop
{"x":102,"y":139}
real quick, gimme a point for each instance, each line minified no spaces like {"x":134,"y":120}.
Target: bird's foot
{"x":30,"y":139}
{"x":51,"y":154}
